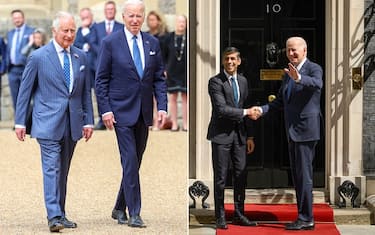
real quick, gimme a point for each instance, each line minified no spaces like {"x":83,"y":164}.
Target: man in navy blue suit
{"x":17,"y":39}
{"x":299,"y":97}
{"x":3,"y":61}
{"x":130,"y":71}
{"x":103,"y":29}
{"x":86,"y":39}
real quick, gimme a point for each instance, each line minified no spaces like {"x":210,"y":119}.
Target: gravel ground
{"x":93,"y":185}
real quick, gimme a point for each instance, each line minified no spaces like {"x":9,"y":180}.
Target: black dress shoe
{"x":221,"y":223}
{"x":120,"y":216}
{"x":243,"y":221}
{"x":67,"y":223}
{"x":300,"y":225}
{"x":55,"y":225}
{"x":136,"y":221}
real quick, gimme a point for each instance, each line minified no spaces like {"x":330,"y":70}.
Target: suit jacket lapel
{"x":228,"y":87}
{"x":242,"y":89}
{"x":303,"y":69}
{"x":124,"y":43}
{"x":146,"y":51}
{"x":54,"y":58}
{"x":76,"y":66}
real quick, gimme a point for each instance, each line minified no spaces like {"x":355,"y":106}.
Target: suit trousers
{"x":301,"y":156}
{"x":221,"y":155}
{"x":14,"y":78}
{"x":56,"y":159}
{"x":132,"y":144}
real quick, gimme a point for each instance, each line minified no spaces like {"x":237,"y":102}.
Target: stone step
{"x":352,"y":215}
{"x":355,"y":216}
{"x":349,"y":216}
{"x":275,"y":196}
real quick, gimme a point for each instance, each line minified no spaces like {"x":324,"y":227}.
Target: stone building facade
{"x":369,"y":89}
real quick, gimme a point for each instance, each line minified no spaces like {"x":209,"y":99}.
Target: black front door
{"x":259,"y":29}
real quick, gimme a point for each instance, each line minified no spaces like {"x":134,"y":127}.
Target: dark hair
{"x":230,"y":50}
{"x":17,"y":11}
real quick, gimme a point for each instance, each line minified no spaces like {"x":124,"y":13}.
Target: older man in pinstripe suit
{"x":56,"y":76}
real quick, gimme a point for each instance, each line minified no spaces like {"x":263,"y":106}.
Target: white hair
{"x":59,"y":15}
{"x":299,"y":39}
{"x":133,"y":2}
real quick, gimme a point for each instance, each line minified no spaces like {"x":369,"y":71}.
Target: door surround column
{"x":344,"y":50}
{"x":207,"y":59}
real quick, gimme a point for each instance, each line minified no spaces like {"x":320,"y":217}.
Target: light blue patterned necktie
{"x":67,"y":69}
{"x":235,"y":90}
{"x":137,"y":57}
{"x":18,"y":42}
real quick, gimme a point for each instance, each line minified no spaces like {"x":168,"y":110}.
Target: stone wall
{"x":369,"y":91}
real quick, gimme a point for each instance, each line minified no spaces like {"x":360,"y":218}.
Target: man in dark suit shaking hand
{"x":230,"y":134}
{"x":130,"y":71}
{"x":299,"y":97}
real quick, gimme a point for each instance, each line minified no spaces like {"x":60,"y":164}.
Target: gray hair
{"x":58,"y":16}
{"x":133,"y":2}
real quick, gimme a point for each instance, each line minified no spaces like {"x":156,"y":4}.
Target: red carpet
{"x":272,"y":219}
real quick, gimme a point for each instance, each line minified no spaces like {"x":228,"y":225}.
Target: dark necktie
{"x":289,"y":88}
{"x":137,"y":57}
{"x":235,"y":90}
{"x":67,"y":69}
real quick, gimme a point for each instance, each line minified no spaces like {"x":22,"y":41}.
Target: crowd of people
{"x":24,"y":39}
{"x":131,"y":73}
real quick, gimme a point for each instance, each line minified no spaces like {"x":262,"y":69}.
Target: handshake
{"x":254,"y":112}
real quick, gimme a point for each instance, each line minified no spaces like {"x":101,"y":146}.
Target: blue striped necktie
{"x":235,"y":90}
{"x":137,"y":57}
{"x":67,"y":69}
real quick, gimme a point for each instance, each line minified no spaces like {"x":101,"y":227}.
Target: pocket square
{"x":152,"y":52}
{"x":81,"y":68}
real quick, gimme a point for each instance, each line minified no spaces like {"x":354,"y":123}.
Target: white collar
{"x":229,"y":76}
{"x":129,"y":35}
{"x":59,"y":48}
{"x":299,"y":66}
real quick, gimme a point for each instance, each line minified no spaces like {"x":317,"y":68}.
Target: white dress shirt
{"x":60,"y":53}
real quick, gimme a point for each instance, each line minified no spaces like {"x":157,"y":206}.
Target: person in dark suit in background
{"x":299,"y":97}
{"x":17,"y":39}
{"x":130,"y":71}
{"x":103,"y":29}
{"x":86,"y":39}
{"x":3,"y":61}
{"x":109,"y":25}
{"x":230,"y":133}
{"x":56,"y":76}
